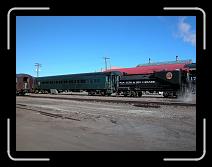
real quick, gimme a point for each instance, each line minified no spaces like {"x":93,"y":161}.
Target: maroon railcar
{"x":24,"y":84}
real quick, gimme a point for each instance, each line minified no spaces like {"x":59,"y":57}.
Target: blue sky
{"x":77,"y":44}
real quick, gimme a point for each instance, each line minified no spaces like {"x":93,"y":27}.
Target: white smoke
{"x":188,"y":97}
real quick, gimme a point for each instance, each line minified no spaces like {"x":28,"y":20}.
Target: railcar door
{"x":26,"y":83}
{"x":115,"y":82}
{"x":112,"y":81}
{"x":109,"y":84}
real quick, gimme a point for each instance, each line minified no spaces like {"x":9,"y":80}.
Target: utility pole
{"x":106,"y":62}
{"x":37,"y":65}
{"x":176,"y":58}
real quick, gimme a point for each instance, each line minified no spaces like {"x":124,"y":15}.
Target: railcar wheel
{"x":91,"y":93}
{"x":125,"y":93}
{"x":139,"y":94}
{"x":165,"y":94}
{"x":103,"y":93}
{"x":109,"y":94}
{"x":133,"y":94}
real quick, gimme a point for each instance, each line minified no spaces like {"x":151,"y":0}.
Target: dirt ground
{"x":102,"y":126}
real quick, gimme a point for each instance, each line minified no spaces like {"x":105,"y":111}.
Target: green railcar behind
{"x":105,"y":82}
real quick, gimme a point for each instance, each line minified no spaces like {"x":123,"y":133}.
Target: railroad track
{"x":22,"y":106}
{"x":26,"y":107}
{"x":154,"y":104}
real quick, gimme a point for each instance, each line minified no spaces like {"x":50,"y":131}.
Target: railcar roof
{"x":23,"y":75}
{"x":192,"y":65}
{"x":82,"y":74}
{"x":152,"y":69}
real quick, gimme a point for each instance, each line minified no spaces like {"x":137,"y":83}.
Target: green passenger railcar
{"x":99,"y":82}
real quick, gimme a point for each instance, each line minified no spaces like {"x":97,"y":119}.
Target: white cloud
{"x":185,"y":32}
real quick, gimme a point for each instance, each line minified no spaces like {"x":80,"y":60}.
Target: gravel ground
{"x":103,"y":126}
